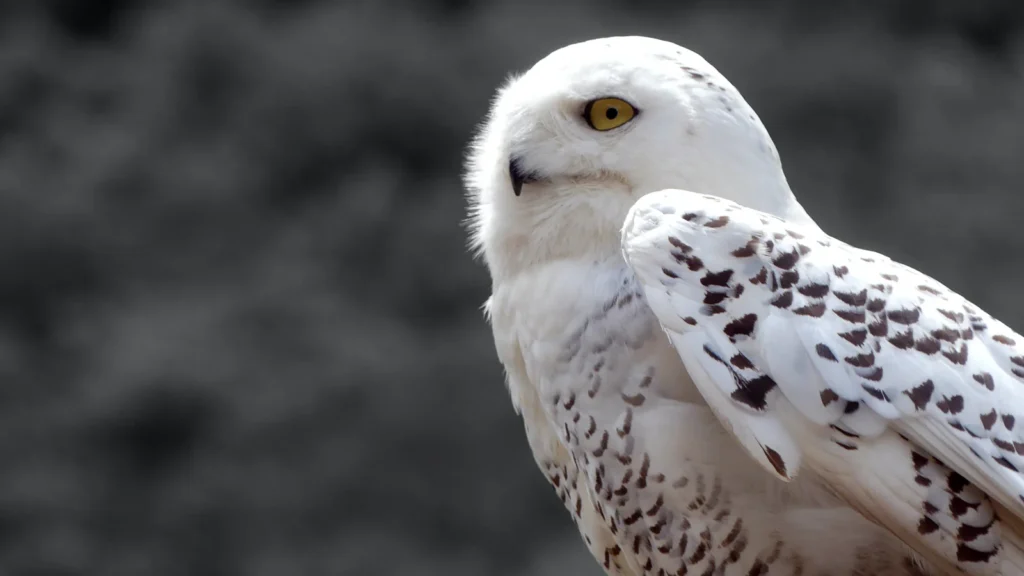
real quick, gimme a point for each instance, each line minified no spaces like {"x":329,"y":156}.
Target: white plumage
{"x":626,"y":373}
{"x":904,"y":396}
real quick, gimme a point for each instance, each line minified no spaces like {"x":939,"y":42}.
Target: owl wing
{"x":906,"y":398}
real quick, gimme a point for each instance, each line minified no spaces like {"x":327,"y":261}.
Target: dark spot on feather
{"x":840,"y":271}
{"x":968,"y":533}
{"x":947,"y":335}
{"x":1003,"y":340}
{"x":803,"y":250}
{"x":879,"y":327}
{"x":815,"y":310}
{"x":747,"y":250}
{"x":844,"y":432}
{"x":632,"y":518}
{"x":634,"y":399}
{"x":786,"y":260}
{"x":851,"y":407}
{"x":951,"y":405}
{"x":602,"y":446}
{"x":873,"y":374}
{"x":789,"y":279}
{"x":926,"y":526}
{"x":717,"y":278}
{"x":754,"y":392}
{"x":742,"y":362}
{"x":1008,"y":421}
{"x":715,"y":297}
{"x":854,"y":316}
{"x":958,"y":506}
{"x":693,"y":73}
{"x":956,"y":482}
{"x":737,"y":527}
{"x":718,"y":222}
{"x":890,"y":277}
{"x":712,"y":354}
{"x":876,"y":305}
{"x":957,"y":317}
{"x":1018,"y":360}
{"x":853,"y":298}
{"x":814,"y":290}
{"x":988,"y":420}
{"x":967,"y":334}
{"x":669,"y":273}
{"x":825,"y":352}
{"x":927,"y":345}
{"x":921,"y":394}
{"x":570,"y":402}
{"x":904,"y":340}
{"x":682,"y":246}
{"x":1004,"y":445}
{"x":985,"y":379}
{"x":855,"y":337}
{"x":861,"y":360}
{"x":783,"y":300}
{"x":759,"y":568}
{"x":828,"y":396}
{"x":844,"y":445}
{"x":905,"y":315}
{"x":776,"y":460}
{"x":875,"y":392}
{"x":965,"y":553}
{"x":679,"y":256}
{"x":711,"y":310}
{"x":958,"y":356}
{"x":742,"y":326}
{"x":919,"y":460}
{"x":1005,"y":463}
{"x":657,"y":506}
{"x":738,"y":290}
{"x":641,"y":480}
{"x":690,"y":320}
{"x":690,"y":216}
{"x":928,"y":289}
{"x":760,"y":277}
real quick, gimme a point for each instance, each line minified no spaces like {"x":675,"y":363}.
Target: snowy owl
{"x":679,"y":360}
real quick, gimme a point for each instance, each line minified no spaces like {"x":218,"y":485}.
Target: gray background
{"x":239,"y":331}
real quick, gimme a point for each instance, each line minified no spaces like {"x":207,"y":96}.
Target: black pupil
{"x":611,"y":113}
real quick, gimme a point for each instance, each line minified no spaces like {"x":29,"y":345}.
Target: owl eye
{"x":608,"y":113}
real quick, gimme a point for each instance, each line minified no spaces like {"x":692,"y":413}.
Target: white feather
{"x":904,"y":369}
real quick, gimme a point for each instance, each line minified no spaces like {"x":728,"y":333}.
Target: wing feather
{"x":866,"y":355}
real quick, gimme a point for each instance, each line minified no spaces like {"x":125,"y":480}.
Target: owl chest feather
{"x":609,"y":412}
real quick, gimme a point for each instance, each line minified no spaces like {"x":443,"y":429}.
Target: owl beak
{"x":519,"y":175}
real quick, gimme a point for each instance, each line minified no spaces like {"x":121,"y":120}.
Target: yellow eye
{"x":607,"y":113}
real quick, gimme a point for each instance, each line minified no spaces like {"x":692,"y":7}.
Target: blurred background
{"x":239,"y":330}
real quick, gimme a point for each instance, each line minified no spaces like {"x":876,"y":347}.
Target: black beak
{"x":518,"y":175}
